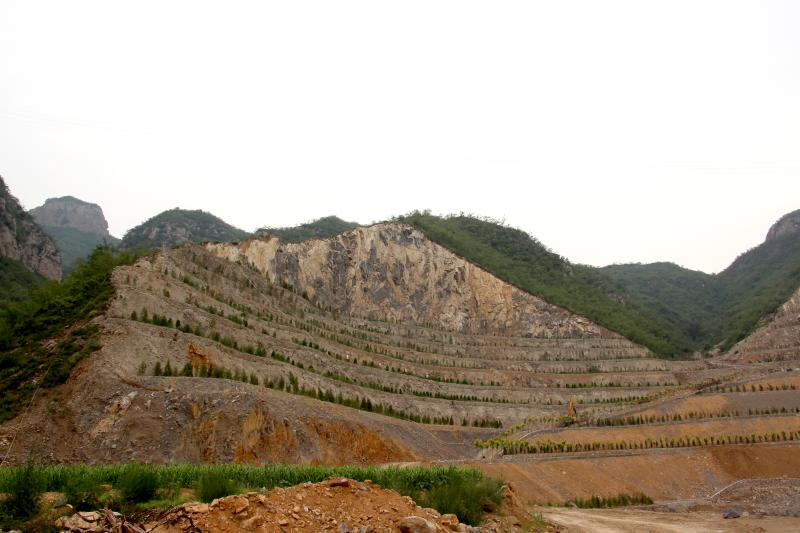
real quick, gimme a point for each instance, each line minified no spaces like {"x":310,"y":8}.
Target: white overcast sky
{"x":612,"y":131}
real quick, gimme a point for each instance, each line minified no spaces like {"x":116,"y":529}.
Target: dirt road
{"x":637,"y":521}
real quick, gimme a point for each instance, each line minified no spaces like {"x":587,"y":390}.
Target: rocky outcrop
{"x":70,"y":212}
{"x":786,"y":225}
{"x":21,"y":239}
{"x":777,"y":339}
{"x":393,"y":272}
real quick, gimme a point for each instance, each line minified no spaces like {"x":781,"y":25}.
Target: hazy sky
{"x":612,"y":131}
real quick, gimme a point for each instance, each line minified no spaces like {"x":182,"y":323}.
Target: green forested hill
{"x":757,"y":283}
{"x":518,"y":258}
{"x":180,"y":225}
{"x":16,"y":281}
{"x":689,"y":300}
{"x":663,"y":306}
{"x":74,"y":244}
{"x":322,"y":228}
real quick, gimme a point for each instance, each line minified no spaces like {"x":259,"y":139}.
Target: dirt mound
{"x":338,"y":504}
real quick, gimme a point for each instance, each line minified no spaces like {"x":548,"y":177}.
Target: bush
{"x":465,"y":498}
{"x":137,"y":483}
{"x":214,"y":484}
{"x":24,"y":491}
{"x":83,"y":493}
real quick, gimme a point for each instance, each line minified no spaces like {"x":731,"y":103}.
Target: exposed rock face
{"x":69,"y":212}
{"x":788,"y":224}
{"x":777,"y":339}
{"x":23,"y":240}
{"x":393,"y":272}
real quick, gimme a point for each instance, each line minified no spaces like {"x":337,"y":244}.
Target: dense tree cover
{"x":756,"y":284}
{"x":724,"y":308}
{"x":74,"y":244}
{"x":687,"y":299}
{"x":16,"y":281}
{"x":321,"y":228}
{"x":58,"y":311}
{"x":521,"y":260}
{"x":180,"y":225}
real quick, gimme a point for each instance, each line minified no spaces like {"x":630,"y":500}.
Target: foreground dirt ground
{"x":638,"y":521}
{"x":338,"y":505}
{"x":670,"y":474}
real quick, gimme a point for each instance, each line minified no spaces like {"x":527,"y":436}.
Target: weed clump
{"x":215,"y":484}
{"x":137,"y":483}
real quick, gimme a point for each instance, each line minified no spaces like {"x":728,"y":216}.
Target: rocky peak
{"x":21,"y":239}
{"x":787,"y":225}
{"x":70,"y":212}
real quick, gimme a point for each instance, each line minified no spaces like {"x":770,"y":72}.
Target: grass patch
{"x":466,"y":492}
{"x":620,"y":500}
{"x":24,"y":486}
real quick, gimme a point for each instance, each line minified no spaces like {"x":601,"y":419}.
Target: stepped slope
{"x":256,"y":372}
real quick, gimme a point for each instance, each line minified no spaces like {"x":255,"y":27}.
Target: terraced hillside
{"x":253,"y":357}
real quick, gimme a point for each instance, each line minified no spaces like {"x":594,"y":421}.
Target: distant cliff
{"x":70,"y":212}
{"x":77,"y":227}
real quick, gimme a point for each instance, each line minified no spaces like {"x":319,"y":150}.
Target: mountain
{"x":521,"y":260}
{"x":76,"y":226}
{"x":377,"y":345}
{"x":721,"y":309}
{"x":777,"y":337}
{"x":180,"y":225}
{"x":393,"y":272}
{"x":788,"y":224}
{"x":21,"y":238}
{"x":70,"y":212}
{"x":321,"y":228}
{"x":759,"y":281}
{"x":687,"y":300}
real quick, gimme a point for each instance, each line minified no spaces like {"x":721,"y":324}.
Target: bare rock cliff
{"x":394,"y":272}
{"x":69,"y":212}
{"x":23,"y":240}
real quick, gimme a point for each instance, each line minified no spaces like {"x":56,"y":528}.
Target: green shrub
{"x":137,"y":483}
{"x":468,"y":499}
{"x":83,"y":493}
{"x":24,"y":490}
{"x":215,"y":484}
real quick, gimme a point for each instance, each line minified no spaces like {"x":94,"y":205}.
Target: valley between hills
{"x":390,"y":345}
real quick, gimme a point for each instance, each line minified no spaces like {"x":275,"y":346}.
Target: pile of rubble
{"x":337,"y":505}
